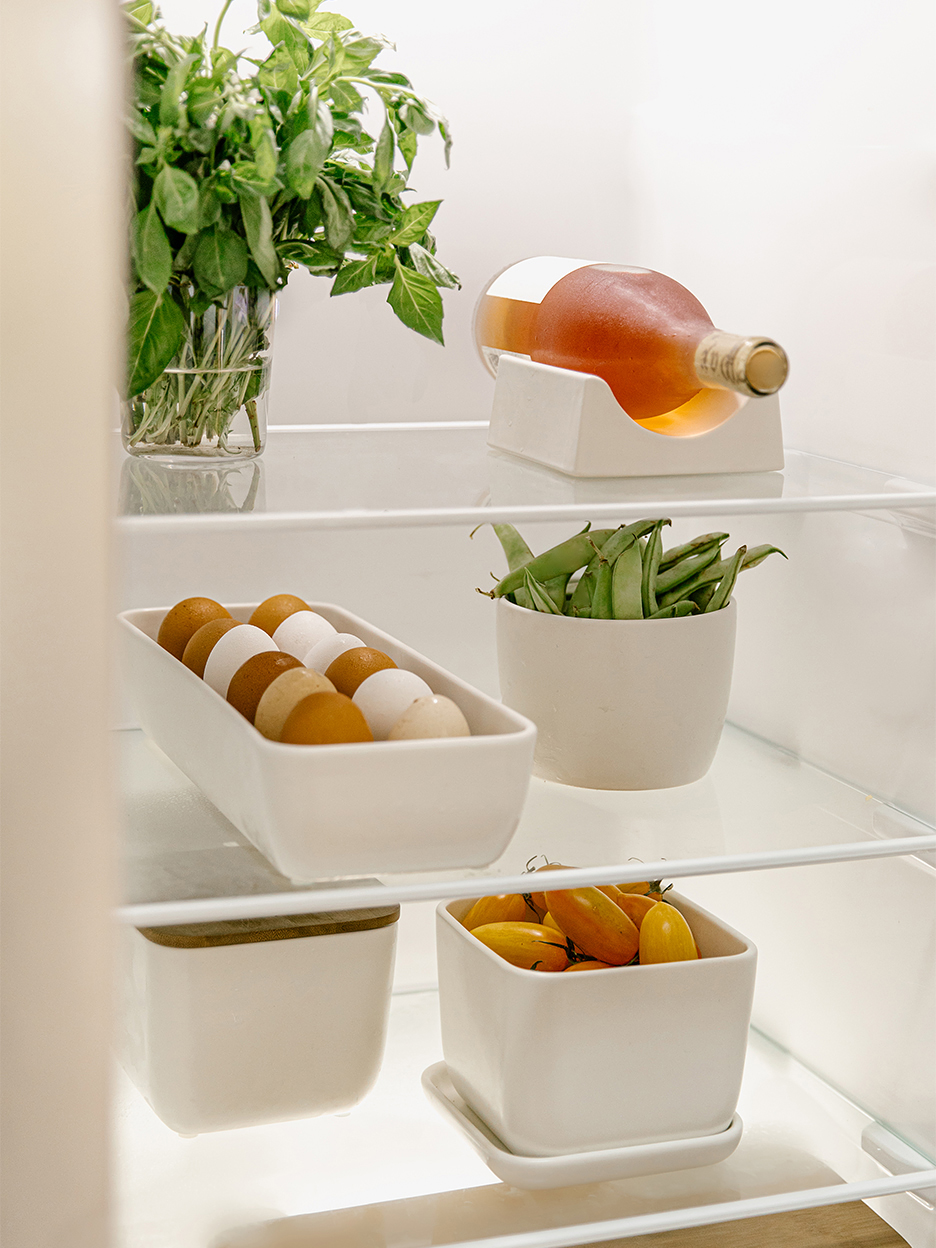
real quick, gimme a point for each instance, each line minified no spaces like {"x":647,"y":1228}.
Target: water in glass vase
{"x":211,"y":401}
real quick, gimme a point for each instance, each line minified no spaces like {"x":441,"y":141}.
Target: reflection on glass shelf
{"x":758,"y":806}
{"x":150,"y":487}
{"x":394,"y":1174}
{"x":331,"y":476}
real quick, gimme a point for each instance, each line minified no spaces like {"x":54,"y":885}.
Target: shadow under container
{"x":250,"y":1021}
{"x":559,"y":1063}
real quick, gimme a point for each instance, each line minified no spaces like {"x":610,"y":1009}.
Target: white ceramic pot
{"x":618,"y":704}
{"x":238,"y":1023}
{"x":557,"y":1064}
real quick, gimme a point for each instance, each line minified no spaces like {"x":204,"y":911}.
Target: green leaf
{"x":176,"y":196}
{"x":169,"y":111}
{"x":186,"y":253}
{"x":339,"y":221}
{"x":425,"y":262}
{"x":314,"y":213}
{"x":414,"y":222}
{"x":321,"y":25}
{"x":209,"y":206}
{"x":356,"y":275}
{"x":140,"y":128}
{"x":294,"y":8}
{"x":152,"y":255}
{"x":156,"y":328}
{"x":202,"y":100}
{"x":220,"y":261}
{"x":345,"y":98}
{"x":407,"y":143}
{"x":264,"y":145}
{"x":415,"y":116}
{"x":142,"y":10}
{"x":258,"y":225}
{"x":383,"y":158}
{"x":316,"y":257}
{"x":279,"y":73}
{"x":306,"y":154}
{"x":417,"y":303}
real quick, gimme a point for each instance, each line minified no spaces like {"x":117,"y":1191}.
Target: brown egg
{"x":325,"y":719}
{"x":285,"y":692}
{"x":185,"y":619}
{"x":250,"y":681}
{"x":201,"y":643}
{"x":271,"y":613}
{"x":354,"y":666}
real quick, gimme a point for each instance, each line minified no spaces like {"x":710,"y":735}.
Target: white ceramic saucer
{"x":593,"y":1167}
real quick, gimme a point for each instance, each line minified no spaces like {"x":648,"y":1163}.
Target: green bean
{"x":581,"y":600}
{"x":515,"y":548}
{"x":521,"y":597}
{"x":676,"y":573}
{"x":619,"y":540}
{"x":722,"y":595}
{"x":675,"y":611}
{"x":702,"y":597}
{"x":625,"y":584}
{"x":650,"y":564}
{"x":567,"y":557}
{"x":601,"y":598}
{"x":715,"y":572}
{"x":694,"y":547}
{"x":556,"y":588}
{"x":541,"y":600}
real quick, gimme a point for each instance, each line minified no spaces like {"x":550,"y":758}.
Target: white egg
{"x":325,"y":652}
{"x":231,"y":651}
{"x":384,"y":696}
{"x":434,"y":716}
{"x":299,"y":632}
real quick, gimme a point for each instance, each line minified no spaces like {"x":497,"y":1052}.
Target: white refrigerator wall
{"x":777,"y":161}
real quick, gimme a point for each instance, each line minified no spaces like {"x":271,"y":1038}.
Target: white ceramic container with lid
{"x":322,"y":811}
{"x":558,"y":1063}
{"x":238,"y":1023}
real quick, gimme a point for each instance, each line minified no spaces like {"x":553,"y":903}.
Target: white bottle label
{"x":530,"y":280}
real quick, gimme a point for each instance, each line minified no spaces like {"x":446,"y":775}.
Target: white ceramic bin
{"x":619,"y":704}
{"x":557,"y":1064}
{"x":318,"y":812}
{"x":250,"y":1021}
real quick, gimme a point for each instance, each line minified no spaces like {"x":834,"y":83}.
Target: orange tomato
{"x":595,"y":924}
{"x":530,"y":946}
{"x":549,"y":921}
{"x":665,"y":936}
{"x":539,"y":899}
{"x":587,"y":966}
{"x":504,"y":908}
{"x":642,"y":887}
{"x":635,"y":906}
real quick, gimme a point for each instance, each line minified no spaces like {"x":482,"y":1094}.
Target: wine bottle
{"x":647,"y":336}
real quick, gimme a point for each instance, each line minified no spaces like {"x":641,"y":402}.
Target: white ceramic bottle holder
{"x":572,"y":421}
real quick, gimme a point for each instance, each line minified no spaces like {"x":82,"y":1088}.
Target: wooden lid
{"x":276,"y":927}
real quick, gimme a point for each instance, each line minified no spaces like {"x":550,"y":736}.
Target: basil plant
{"x":245,"y":167}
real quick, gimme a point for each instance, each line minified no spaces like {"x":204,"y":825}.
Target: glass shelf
{"x":357,"y":476}
{"x":393,"y":1174}
{"x":758,"y":807}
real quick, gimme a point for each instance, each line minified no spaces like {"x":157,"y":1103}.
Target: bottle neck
{"x":752,"y":366}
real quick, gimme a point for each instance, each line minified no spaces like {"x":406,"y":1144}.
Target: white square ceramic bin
{"x":339,"y":810}
{"x":244,"y":1022}
{"x":557,"y":1064}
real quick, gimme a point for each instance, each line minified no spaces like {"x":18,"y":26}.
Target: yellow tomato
{"x":595,"y":924}
{"x":530,"y":946}
{"x":549,"y":921}
{"x":635,"y":906}
{"x":504,"y":908}
{"x":665,"y":936}
{"x":539,"y":899}
{"x":587,"y":966}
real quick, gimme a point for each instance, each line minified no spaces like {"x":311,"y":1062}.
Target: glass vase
{"x":211,"y":401}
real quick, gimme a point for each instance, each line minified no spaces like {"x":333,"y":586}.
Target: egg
{"x":324,"y":653}
{"x":231,"y":651}
{"x":183,"y":620}
{"x":200,"y":644}
{"x":272,"y":611}
{"x":299,"y":632}
{"x":251,"y":680}
{"x":435,"y":716}
{"x":282,"y":694}
{"x":354,"y":666}
{"x":384,"y":696}
{"x":325,"y":719}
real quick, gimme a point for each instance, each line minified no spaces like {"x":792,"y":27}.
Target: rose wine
{"x":642,"y":332}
